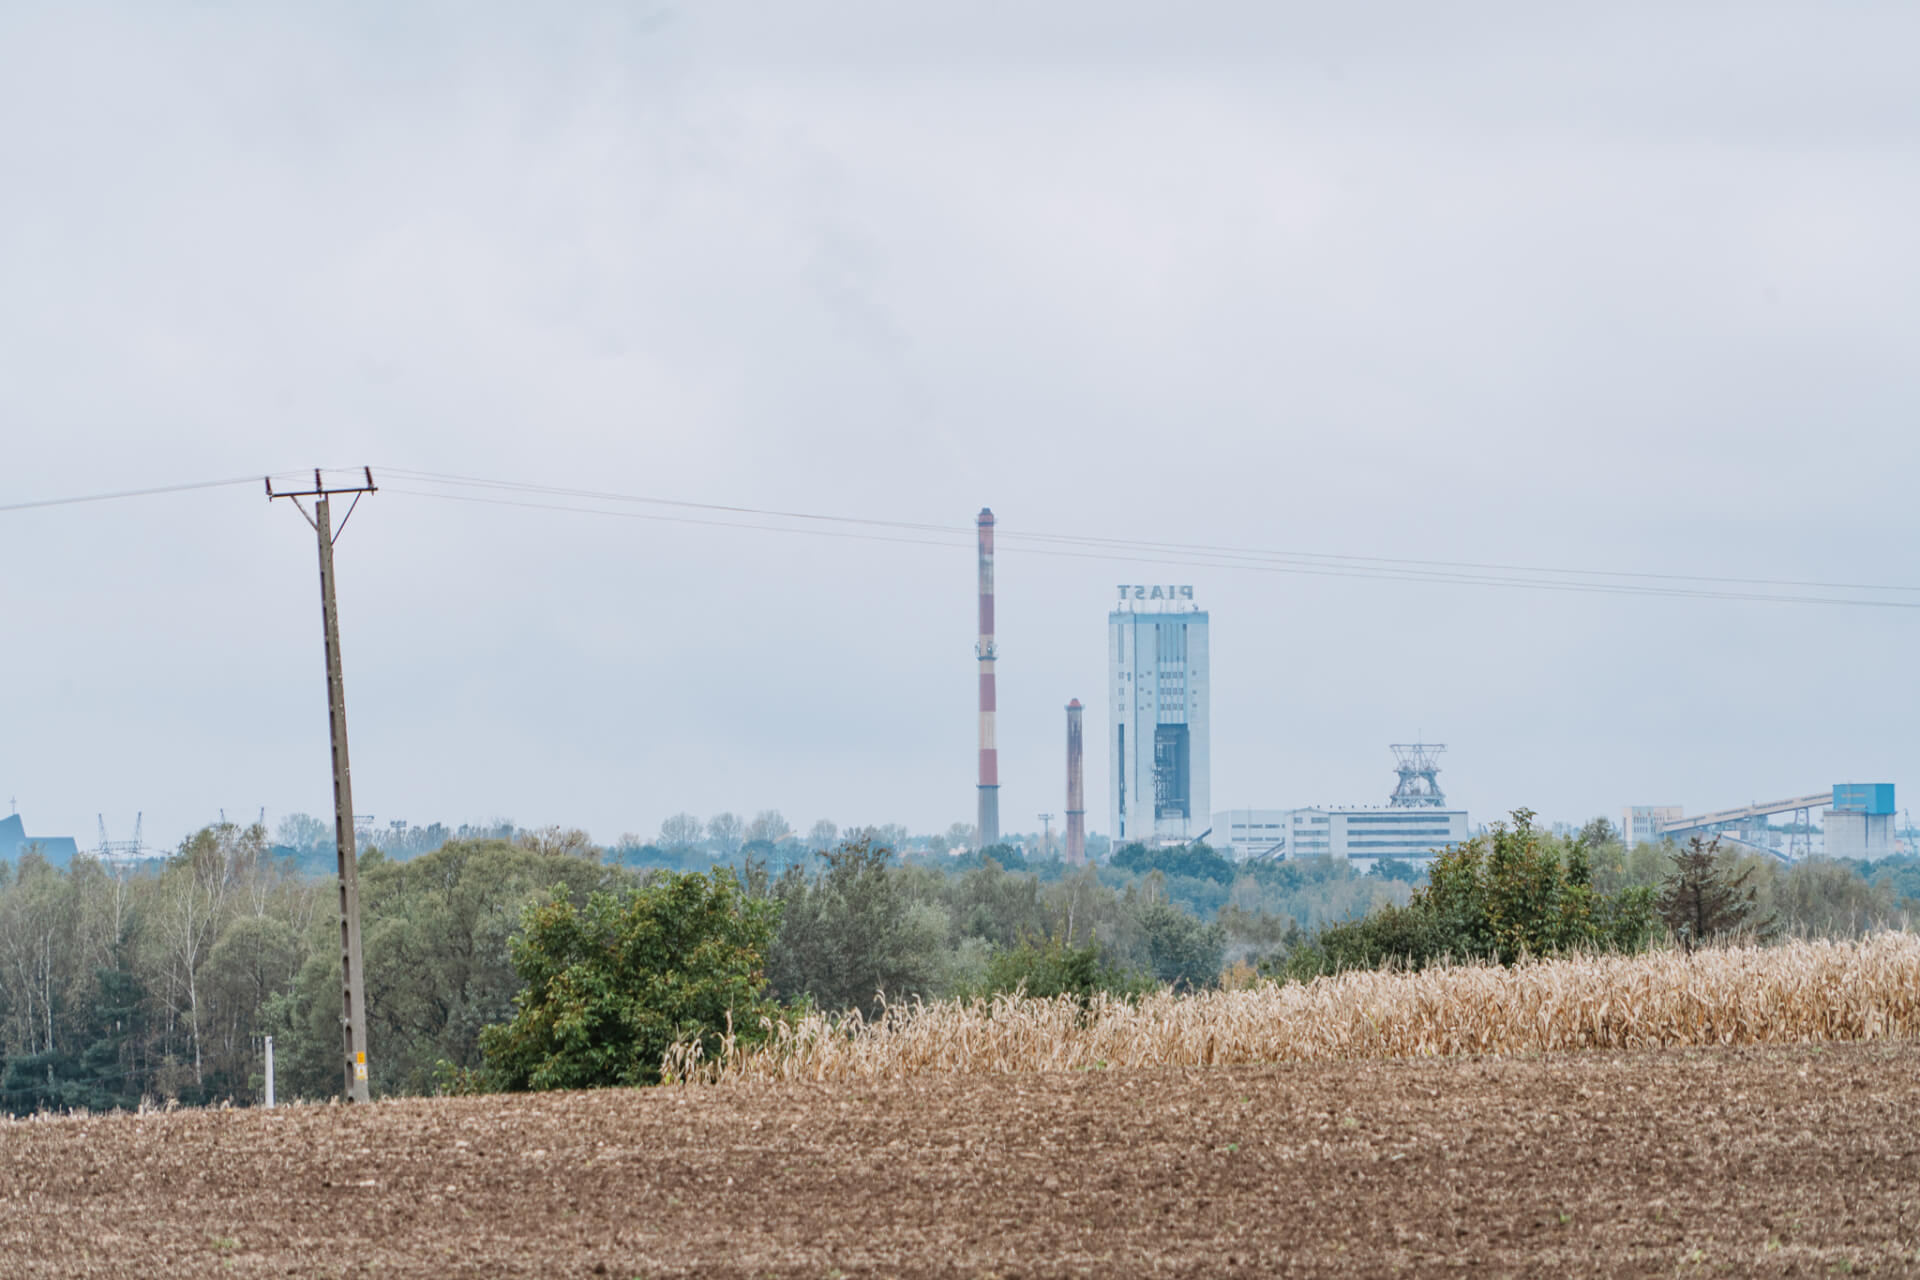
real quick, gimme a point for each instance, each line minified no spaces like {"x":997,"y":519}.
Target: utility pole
{"x":353,"y":986}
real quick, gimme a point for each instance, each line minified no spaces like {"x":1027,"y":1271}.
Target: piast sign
{"x":1155,"y":593}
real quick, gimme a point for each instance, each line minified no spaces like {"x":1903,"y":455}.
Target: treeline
{"x":684,"y":840}
{"x":120,"y":987}
{"x":115,"y":987}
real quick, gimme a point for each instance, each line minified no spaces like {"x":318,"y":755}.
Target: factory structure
{"x":1414,"y":824}
{"x":1856,"y":821}
{"x":1157,"y":689}
{"x":1159,"y":754}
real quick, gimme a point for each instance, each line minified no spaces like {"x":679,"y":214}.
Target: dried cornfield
{"x":1793,"y":993}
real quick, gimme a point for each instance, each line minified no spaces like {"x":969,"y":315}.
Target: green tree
{"x":609,"y":988}
{"x":1195,"y":861}
{"x":1001,"y":905}
{"x":1703,"y":900}
{"x":1180,"y":951}
{"x":1829,"y":898}
{"x":435,"y":937}
{"x":1515,"y":892}
{"x":1052,"y":968}
{"x":850,"y":934}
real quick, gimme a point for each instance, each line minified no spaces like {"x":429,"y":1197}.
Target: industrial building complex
{"x":1159,"y":754}
{"x":1415,"y":823}
{"x":1856,"y":821}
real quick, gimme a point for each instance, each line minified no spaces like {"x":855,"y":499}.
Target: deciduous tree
{"x":611,"y":986}
{"x":680,"y":831}
{"x":726,"y":831}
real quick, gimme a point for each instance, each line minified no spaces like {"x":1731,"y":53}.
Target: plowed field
{"x":1771,"y":1161}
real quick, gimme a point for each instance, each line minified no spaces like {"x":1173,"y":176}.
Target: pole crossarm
{"x":321,"y":489}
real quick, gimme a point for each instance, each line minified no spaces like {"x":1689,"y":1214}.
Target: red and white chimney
{"x":984,"y":650}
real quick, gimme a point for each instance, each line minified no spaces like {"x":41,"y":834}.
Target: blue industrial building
{"x":14,"y":841}
{"x":1856,"y":822}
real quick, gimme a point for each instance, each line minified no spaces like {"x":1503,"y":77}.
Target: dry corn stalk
{"x":1792,"y":993}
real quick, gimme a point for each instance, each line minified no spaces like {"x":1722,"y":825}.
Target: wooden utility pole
{"x":353,"y":986}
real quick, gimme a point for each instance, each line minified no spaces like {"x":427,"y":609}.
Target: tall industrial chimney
{"x":1076,"y":791}
{"x":985,"y":651}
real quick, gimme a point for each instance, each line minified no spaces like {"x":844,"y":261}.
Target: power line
{"x":1136,"y":544}
{"x":665,"y":519}
{"x":129,"y":493}
{"x":603,"y":496}
{"x":1094,"y":547}
{"x":1313,"y":556}
{"x":1177,"y":555}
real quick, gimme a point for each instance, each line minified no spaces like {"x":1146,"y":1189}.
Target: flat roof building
{"x":1361,"y":835}
{"x":1413,"y":824}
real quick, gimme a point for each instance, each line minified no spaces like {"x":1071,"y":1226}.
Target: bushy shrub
{"x":610,"y":987}
{"x":1181,"y":952}
{"x":1050,"y":969}
{"x":1509,"y":894}
{"x":1196,"y":860}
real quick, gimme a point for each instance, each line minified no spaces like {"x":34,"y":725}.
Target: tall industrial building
{"x":1157,"y":689}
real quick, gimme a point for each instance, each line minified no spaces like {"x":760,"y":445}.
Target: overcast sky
{"x":1606,"y":287}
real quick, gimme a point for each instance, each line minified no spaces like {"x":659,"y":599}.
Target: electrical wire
{"x":129,"y":493}
{"x":1092,"y":547}
{"x":1126,"y":551}
{"x":1004,"y":533}
{"x":666,"y":519}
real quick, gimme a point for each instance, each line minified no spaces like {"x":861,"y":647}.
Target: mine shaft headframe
{"x":1418,"y":764}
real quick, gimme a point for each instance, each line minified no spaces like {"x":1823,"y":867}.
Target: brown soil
{"x":1772,"y":1161}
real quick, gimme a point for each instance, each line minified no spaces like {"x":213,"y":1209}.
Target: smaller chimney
{"x":1076,"y":791}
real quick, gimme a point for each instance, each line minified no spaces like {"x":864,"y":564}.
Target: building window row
{"x":1391,"y":844}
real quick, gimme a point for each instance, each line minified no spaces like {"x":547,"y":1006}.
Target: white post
{"x":269,"y":1071}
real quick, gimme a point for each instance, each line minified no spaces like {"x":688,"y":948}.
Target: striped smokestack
{"x":1076,"y":791}
{"x":984,"y":650}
